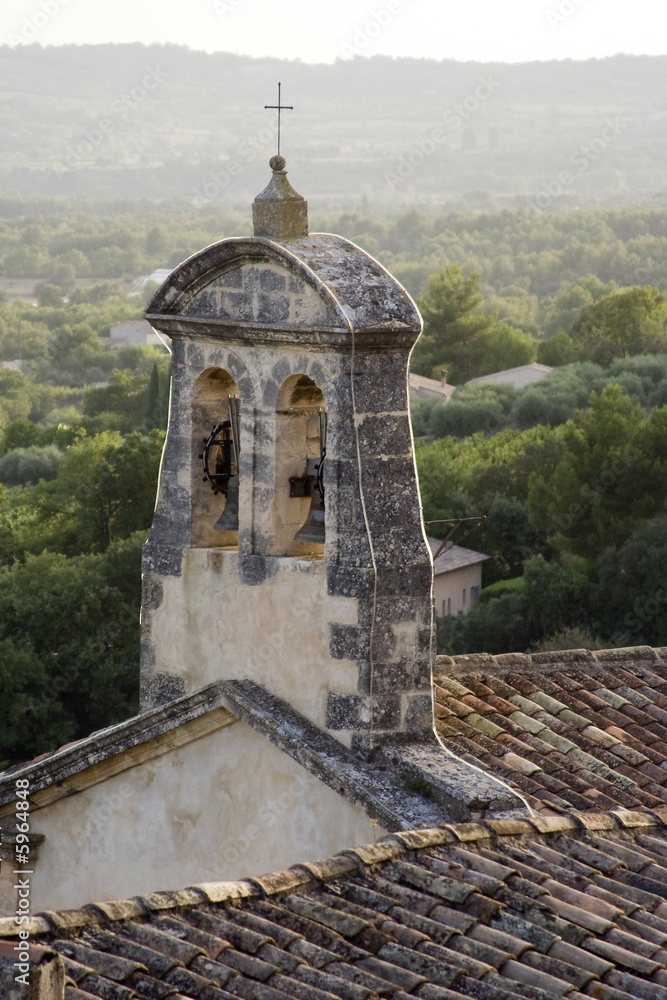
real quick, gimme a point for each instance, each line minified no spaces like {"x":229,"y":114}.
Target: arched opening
{"x":215,"y":461}
{"x":298,"y":514}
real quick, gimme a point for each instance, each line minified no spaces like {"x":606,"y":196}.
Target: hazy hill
{"x":160,"y":121}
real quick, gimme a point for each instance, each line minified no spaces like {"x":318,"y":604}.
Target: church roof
{"x":572,"y":906}
{"x":109,"y":751}
{"x":569,"y":729}
{"x":566,"y":730}
{"x":235,"y":283}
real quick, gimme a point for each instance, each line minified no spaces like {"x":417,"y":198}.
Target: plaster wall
{"x":210,"y":625}
{"x":220,"y":808}
{"x":450,"y":586}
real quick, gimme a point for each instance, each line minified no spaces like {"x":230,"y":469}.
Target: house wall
{"x":227,"y":805}
{"x":450,"y":586}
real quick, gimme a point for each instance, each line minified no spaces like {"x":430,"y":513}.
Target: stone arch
{"x":212,"y":401}
{"x":299,"y":404}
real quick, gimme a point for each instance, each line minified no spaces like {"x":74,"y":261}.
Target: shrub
{"x":28,"y":465}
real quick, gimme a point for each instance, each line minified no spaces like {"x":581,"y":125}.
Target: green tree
{"x":20,"y":434}
{"x":157,"y":405}
{"x":497,"y":626}
{"x":624,"y":323}
{"x":506,"y":347}
{"x":461,"y":338}
{"x":14,"y":396}
{"x":28,"y":725}
{"x":453,"y":327}
{"x":21,"y":466}
{"x":104,"y":491}
{"x":592,"y":498}
{"x":69,"y":645}
{"x":473,"y":408}
{"x":561,"y":311}
{"x":632,"y":603}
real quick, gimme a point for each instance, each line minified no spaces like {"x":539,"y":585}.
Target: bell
{"x":313,"y":529}
{"x":229,"y":519}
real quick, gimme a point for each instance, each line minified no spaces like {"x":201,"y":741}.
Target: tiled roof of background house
{"x":453,"y":556}
{"x":567,"y":906}
{"x":570,"y":730}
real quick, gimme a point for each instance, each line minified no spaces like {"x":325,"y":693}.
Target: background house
{"x":429,"y":388}
{"x":518,"y":377}
{"x":135,"y":331}
{"x":457,"y":579}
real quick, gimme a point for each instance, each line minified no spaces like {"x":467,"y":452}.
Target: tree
{"x":557,"y":596}
{"x":69,"y":646}
{"x":104,"y":491}
{"x":452,"y":325}
{"x":505,"y":347}
{"x":28,"y":465}
{"x":622,"y":324}
{"x":499,"y":626}
{"x":473,"y":408}
{"x":554,"y":399}
{"x":632,"y":602}
{"x":28,"y":725}
{"x":157,"y":405}
{"x":462,"y":339}
{"x":593,"y":498}
{"x":559,"y":312}
{"x":20,"y":434}
{"x":14,"y":396}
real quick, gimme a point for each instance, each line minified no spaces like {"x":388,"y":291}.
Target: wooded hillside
{"x":164,"y":121}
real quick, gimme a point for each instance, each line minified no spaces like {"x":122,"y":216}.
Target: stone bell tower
{"x":290,"y":355}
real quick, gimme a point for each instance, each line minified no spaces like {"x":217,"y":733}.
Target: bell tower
{"x":287,"y":545}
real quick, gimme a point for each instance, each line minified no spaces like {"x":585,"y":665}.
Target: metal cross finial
{"x":279,"y":107}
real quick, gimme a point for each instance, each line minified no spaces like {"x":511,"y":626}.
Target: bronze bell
{"x":229,"y":519}
{"x":313,"y":528}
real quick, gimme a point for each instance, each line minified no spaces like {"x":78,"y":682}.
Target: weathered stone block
{"x":418,"y":714}
{"x":347,"y":642}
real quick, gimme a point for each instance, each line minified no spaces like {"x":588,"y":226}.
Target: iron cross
{"x":279,"y":107}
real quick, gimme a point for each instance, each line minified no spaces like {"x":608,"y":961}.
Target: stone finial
{"x":279,"y":212}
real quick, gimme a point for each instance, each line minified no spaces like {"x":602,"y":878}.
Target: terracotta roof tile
{"x":568,"y":905}
{"x":582,"y":738}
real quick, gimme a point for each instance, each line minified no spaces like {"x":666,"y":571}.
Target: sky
{"x":319,"y":31}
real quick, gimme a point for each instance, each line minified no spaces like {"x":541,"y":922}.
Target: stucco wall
{"x":225,"y":806}
{"x":451,"y":585}
{"x":210,"y":625}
